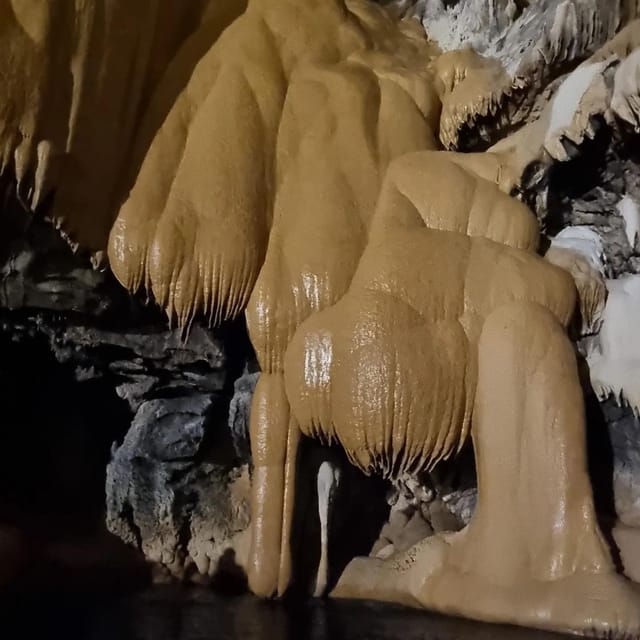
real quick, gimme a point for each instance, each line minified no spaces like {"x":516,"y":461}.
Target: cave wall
{"x":109,"y":416}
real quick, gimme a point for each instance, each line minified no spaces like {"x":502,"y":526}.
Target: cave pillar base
{"x":533,"y":554}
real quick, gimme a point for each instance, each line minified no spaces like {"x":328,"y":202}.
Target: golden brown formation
{"x":277,"y":112}
{"x":75,"y":78}
{"x":391,"y":372}
{"x":288,"y":162}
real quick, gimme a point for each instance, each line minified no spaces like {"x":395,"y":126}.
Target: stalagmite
{"x":73,"y":89}
{"x":328,"y":482}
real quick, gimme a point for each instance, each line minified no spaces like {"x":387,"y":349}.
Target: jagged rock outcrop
{"x":240,"y":412}
{"x":160,"y":405}
{"x":166,"y":498}
{"x":48,"y":137}
{"x":532,"y":42}
{"x":425,"y":504}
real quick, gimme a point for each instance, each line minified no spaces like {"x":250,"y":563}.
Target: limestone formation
{"x":615,"y":355}
{"x":76,"y":79}
{"x":165,"y":497}
{"x":531,"y":41}
{"x":288,"y":161}
{"x":579,"y":251}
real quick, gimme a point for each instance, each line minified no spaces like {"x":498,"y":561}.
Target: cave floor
{"x":170,"y":613}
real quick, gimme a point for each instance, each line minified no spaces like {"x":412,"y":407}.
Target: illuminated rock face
{"x":76,"y":77}
{"x":290,"y":165}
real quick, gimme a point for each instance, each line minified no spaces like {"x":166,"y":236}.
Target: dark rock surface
{"x":91,"y":377}
{"x":166,"y":496}
{"x":586,"y":191}
{"x":624,"y":435}
{"x":168,"y":613}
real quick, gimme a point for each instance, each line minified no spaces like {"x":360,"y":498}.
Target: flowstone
{"x":288,"y":160}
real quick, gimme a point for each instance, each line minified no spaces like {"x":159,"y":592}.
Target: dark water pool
{"x":175,"y":614}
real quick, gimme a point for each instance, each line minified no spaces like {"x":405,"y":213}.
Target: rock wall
{"x":92,"y":380}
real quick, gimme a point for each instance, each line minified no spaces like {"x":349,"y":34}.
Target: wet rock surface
{"x":170,"y":614}
{"x":167,"y":415}
{"x":588,"y":190}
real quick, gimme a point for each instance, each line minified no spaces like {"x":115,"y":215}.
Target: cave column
{"x":274,"y":445}
{"x":535,"y":512}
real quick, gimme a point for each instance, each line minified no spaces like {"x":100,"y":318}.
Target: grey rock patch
{"x":162,"y":498}
{"x":240,"y":413}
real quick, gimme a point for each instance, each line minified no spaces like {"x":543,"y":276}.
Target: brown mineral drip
{"x":288,"y":163}
{"x":627,"y":41}
{"x":158,"y":149}
{"x":355,"y":367}
{"x":328,"y":187}
{"x":532,"y":553}
{"x":198,"y":238}
{"x":471,"y":87}
{"x":73,"y":89}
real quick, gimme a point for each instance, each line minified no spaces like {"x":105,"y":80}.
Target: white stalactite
{"x":630,"y":211}
{"x":328,"y":481}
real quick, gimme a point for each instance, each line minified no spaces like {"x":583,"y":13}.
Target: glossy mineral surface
{"x":288,"y":161}
{"x":167,"y":614}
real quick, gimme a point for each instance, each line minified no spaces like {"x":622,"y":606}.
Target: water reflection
{"x":174,"y":614}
